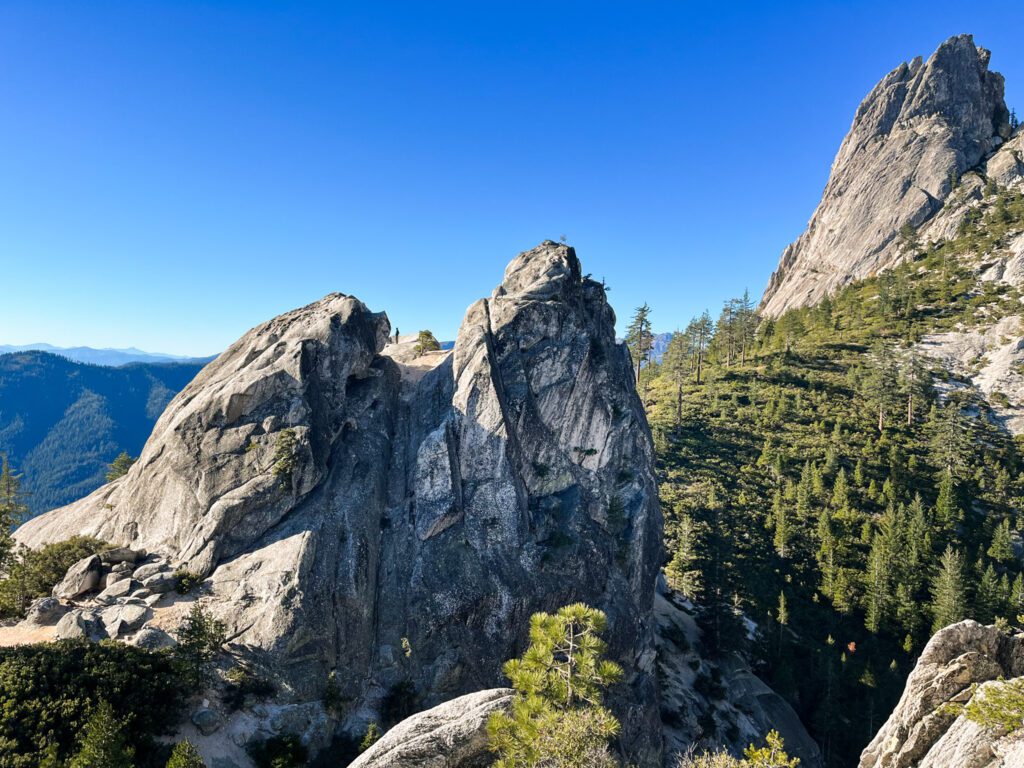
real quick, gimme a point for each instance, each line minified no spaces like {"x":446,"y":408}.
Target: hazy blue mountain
{"x":63,"y":422}
{"x":661,"y":341}
{"x":104,"y":356}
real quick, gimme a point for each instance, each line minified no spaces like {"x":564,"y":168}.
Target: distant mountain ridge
{"x":103,"y":356}
{"x":63,"y":422}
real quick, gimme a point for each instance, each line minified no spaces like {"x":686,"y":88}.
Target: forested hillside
{"x":62,"y":423}
{"x":832,"y":495}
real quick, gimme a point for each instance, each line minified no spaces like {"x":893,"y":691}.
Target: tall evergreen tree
{"x":1001,"y":548}
{"x":13,"y":509}
{"x":640,"y":339}
{"x":949,"y":601}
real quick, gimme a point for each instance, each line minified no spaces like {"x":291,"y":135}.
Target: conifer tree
{"x":13,"y":509}
{"x":426,"y":342}
{"x":120,"y":466}
{"x":103,"y":743}
{"x":682,"y":571}
{"x":988,"y":602}
{"x":840,"y":492}
{"x":557,"y":716}
{"x":947,"y":508}
{"x":948,"y":592}
{"x":185,"y":755}
{"x":640,"y":339}
{"x":1001,"y":549}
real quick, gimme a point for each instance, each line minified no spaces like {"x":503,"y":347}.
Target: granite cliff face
{"x":928,"y":728}
{"x":922,"y":126}
{"x":395,"y":520}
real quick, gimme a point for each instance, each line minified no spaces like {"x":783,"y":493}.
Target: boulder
{"x":116,"y":590}
{"x":143,"y":572}
{"x":82,"y":577}
{"x":152,"y":638}
{"x":124,"y":619}
{"x":122,"y":555}
{"x":79,"y":624}
{"x":206,"y":720}
{"x":45,"y":612}
{"x":451,"y":735}
{"x":159,"y":583}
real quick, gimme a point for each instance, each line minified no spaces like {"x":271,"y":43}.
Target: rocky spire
{"x":921,"y":127}
{"x":396,"y":518}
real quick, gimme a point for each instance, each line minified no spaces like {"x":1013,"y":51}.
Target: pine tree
{"x":675,"y":364}
{"x":103,"y":743}
{"x":879,"y":386}
{"x":557,"y":716}
{"x":783,"y":526}
{"x":947,"y":508}
{"x":988,"y":602}
{"x":949,"y":603}
{"x":840,"y":492}
{"x":426,"y":342}
{"x":914,"y":384}
{"x":12,"y":509}
{"x":1001,"y":549}
{"x":120,"y":466}
{"x":185,"y":755}
{"x":640,"y":339}
{"x":682,"y":571}
{"x":879,"y":583}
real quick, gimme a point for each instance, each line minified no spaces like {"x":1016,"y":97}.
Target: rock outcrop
{"x":921,"y":127}
{"x":928,"y":728}
{"x":451,"y":735}
{"x":694,"y":692}
{"x":356,"y":512}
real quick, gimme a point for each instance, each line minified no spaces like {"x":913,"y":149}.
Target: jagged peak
{"x":545,"y":272}
{"x":921,"y":126}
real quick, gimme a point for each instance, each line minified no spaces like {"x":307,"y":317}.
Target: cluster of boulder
{"x":109,"y":595}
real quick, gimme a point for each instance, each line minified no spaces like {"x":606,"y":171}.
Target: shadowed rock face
{"x":923,"y":123}
{"x":356,"y":515}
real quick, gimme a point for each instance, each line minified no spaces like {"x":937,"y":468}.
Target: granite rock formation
{"x":921,"y":128}
{"x":359,"y":511}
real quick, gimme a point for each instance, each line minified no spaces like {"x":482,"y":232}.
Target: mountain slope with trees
{"x":833,"y":494}
{"x":62,"y":423}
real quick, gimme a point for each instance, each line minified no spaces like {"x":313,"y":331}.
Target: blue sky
{"x":172,"y":173}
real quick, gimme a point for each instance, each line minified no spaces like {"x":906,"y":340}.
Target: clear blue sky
{"x":172,"y":173}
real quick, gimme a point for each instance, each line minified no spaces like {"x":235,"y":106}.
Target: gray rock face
{"x":82,"y":577}
{"x":397,"y":520}
{"x":921,"y":124}
{"x":747,"y":709}
{"x":451,"y":735}
{"x":921,"y":732}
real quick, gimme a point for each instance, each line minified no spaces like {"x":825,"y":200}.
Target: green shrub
{"x":186,"y":581}
{"x":50,"y":691}
{"x":999,"y":707}
{"x":37,"y":571}
{"x":285,"y":457}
